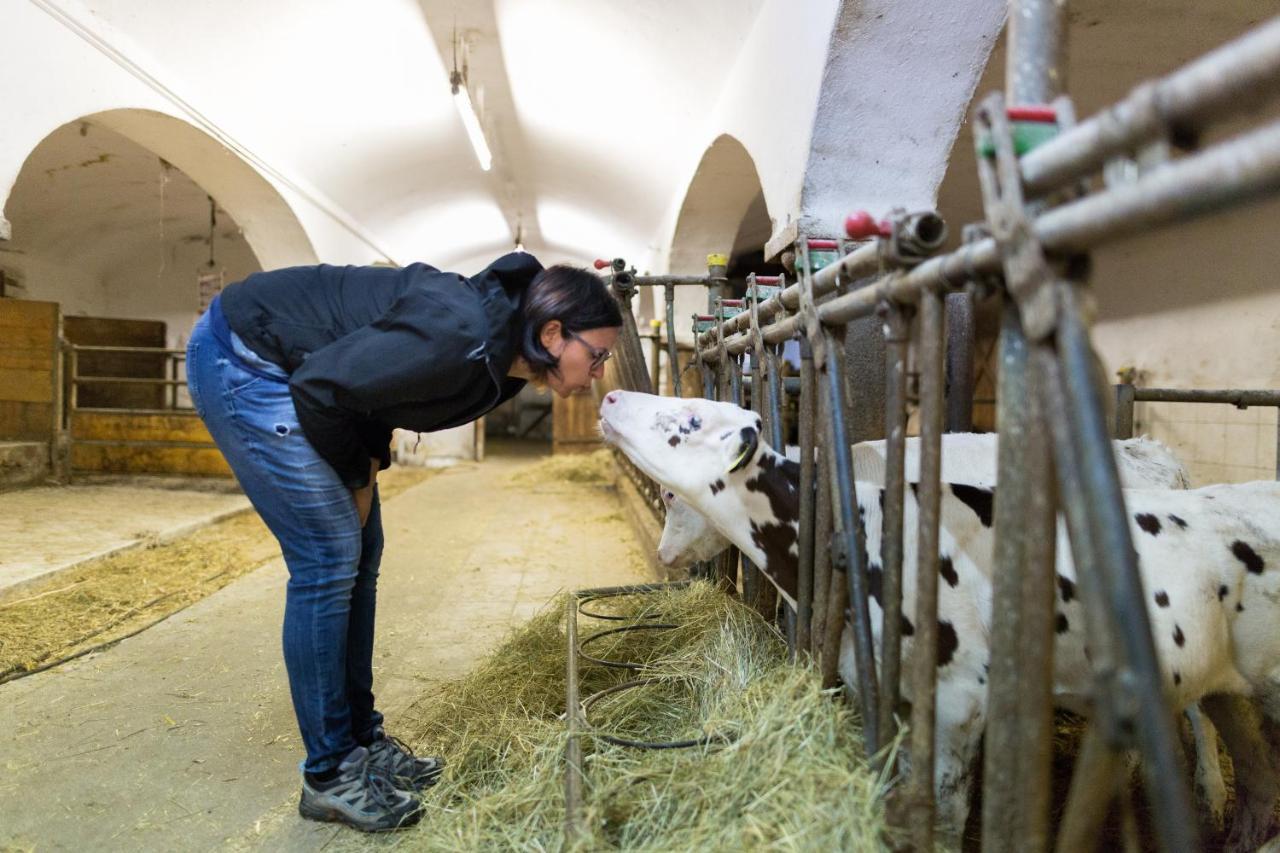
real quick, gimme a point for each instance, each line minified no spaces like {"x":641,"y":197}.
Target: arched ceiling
{"x":587,"y":106}
{"x":597,"y":111}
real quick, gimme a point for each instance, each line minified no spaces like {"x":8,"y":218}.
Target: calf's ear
{"x":747,"y":442}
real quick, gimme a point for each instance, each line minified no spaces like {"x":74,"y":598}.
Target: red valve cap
{"x":861,"y":225}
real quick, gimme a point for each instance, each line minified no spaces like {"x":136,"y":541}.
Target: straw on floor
{"x":785,"y":773}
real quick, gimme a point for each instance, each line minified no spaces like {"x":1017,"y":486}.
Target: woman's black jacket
{"x":372,"y":348}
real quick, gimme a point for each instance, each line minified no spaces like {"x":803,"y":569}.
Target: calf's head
{"x":687,"y":536}
{"x":687,"y":444}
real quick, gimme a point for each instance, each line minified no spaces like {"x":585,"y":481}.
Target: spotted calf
{"x":1192,"y":545}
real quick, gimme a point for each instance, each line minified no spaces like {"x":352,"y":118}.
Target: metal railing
{"x":1055,"y":455}
{"x":1127,"y":395}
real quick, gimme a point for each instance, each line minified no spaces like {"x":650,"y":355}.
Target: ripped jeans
{"x":333,"y":564}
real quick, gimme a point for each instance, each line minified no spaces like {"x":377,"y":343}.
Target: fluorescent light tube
{"x":467,"y":112}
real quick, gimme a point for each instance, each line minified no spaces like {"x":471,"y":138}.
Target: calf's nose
{"x":611,"y":397}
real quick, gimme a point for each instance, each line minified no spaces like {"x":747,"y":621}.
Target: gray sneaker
{"x":407,"y":771}
{"x":362,"y":796}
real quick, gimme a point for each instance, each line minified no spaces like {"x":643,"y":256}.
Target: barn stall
{"x":891,"y":297}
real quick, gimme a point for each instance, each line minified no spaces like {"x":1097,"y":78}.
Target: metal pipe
{"x":573,"y":748}
{"x":821,"y":536}
{"x":1241,"y":399}
{"x":849,"y":543}
{"x":655,"y":351}
{"x":806,"y":597}
{"x":863,"y":261}
{"x":776,"y":384}
{"x":673,"y":352}
{"x":898,"y":338}
{"x":924,"y":667}
{"x":1228,"y":174}
{"x":1036,"y":602}
{"x":960,"y":357}
{"x":1117,"y":561}
{"x":1034,"y":70}
{"x":1234,"y":79}
{"x":1124,"y":411}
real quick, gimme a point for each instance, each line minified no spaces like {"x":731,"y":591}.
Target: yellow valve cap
{"x":717,"y":260}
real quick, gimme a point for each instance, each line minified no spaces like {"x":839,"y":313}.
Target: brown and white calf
{"x":1203,"y":555}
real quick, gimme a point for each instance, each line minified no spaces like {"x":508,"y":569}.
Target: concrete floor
{"x":46,"y":529}
{"x":183,"y":737}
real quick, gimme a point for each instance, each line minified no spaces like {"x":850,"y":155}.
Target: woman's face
{"x":582,"y":356}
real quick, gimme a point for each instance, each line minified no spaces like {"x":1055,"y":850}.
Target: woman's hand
{"x":364,"y":496}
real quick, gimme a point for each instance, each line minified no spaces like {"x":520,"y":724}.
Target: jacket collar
{"x":502,"y":287}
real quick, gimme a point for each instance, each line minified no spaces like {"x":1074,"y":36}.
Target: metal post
{"x":573,"y":748}
{"x":751,"y":581}
{"x":960,"y":357}
{"x":806,"y":598}
{"x":655,"y":351}
{"x":924,"y":667}
{"x":1138,"y":688}
{"x":824,"y":628}
{"x":898,"y":339}
{"x":1124,"y":410}
{"x":848,"y":542}
{"x":673,"y":352}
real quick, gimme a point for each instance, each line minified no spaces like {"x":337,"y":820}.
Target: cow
{"x":968,"y":458}
{"x":1202,"y":556}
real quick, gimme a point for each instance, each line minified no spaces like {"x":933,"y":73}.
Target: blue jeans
{"x":333,"y":564}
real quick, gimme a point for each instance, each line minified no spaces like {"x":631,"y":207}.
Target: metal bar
{"x":1239,"y":398}
{"x":1225,"y":175}
{"x":1124,"y":411}
{"x":1034,"y":70}
{"x":1171,"y":803}
{"x":1002,"y":803}
{"x":960,"y":355}
{"x":1092,"y":789}
{"x":1233,"y":79}
{"x":669,"y":280}
{"x":849,"y":544}
{"x":806,"y":597}
{"x":861,"y":262}
{"x":655,"y":352}
{"x":751,"y":591}
{"x":924,"y":667}
{"x":573,"y":775}
{"x":673,"y":352}
{"x":788,"y":384}
{"x":1036,"y":602}
{"x":821,"y":532}
{"x":898,"y":339}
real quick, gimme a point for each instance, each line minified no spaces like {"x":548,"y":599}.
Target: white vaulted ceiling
{"x":593,"y":109}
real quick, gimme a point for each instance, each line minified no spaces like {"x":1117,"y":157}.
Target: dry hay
{"x":595,"y":468}
{"x":785,"y":774}
{"x":102,"y":601}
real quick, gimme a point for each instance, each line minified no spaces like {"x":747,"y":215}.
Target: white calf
{"x":968,"y":458}
{"x":1202,"y":554}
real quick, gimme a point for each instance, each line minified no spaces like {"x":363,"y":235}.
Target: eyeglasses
{"x":598,"y":356}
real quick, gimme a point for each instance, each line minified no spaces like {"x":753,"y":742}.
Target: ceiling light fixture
{"x":467,"y":110}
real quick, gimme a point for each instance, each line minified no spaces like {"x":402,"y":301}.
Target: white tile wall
{"x":1218,"y":443}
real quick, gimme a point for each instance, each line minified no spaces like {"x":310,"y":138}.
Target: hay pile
{"x":787,"y":772}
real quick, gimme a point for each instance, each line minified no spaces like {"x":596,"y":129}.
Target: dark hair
{"x":576,"y":297}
